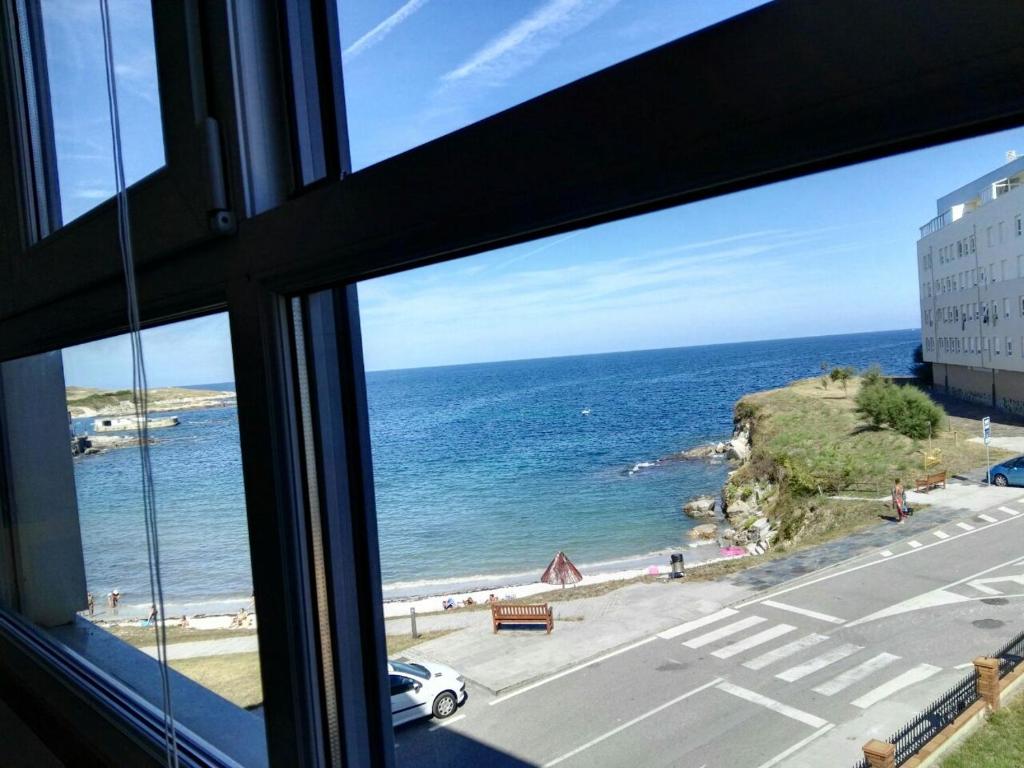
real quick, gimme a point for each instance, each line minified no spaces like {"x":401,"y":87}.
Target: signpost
{"x":986,"y":433}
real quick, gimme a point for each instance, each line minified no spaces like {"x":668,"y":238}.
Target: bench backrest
{"x":937,"y":476}
{"x":502,"y":610}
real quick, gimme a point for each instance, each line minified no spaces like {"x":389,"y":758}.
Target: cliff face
{"x":86,"y":402}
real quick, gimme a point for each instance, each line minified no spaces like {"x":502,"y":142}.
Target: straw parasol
{"x":561,"y":571}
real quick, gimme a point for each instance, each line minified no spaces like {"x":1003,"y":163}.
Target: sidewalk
{"x":198,"y":648}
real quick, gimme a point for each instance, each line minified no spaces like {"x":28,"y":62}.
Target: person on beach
{"x":469,"y":600}
{"x":184,"y":622}
{"x":448,"y":603}
{"x":491,"y":598}
{"x":91,"y":602}
{"x":115,"y":598}
{"x":899,"y":501}
{"x":152,"y":616}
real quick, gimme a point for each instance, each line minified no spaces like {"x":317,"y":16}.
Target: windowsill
{"x":228,"y":728}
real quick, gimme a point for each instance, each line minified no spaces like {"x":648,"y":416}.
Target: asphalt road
{"x":801,"y":675}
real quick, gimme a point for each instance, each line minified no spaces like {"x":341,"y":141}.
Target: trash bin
{"x":677,"y":566}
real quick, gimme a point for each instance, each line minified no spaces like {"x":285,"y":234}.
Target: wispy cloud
{"x":527,"y":40}
{"x":383,"y":29}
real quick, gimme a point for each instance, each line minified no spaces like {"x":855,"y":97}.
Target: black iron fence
{"x":909,"y":740}
{"x":1010,"y":655}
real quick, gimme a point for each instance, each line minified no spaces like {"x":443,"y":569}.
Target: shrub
{"x":907,"y":410}
{"x":873,"y":375}
{"x":842,"y":375}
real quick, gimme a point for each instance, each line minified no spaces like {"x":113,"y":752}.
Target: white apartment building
{"x":970,"y":261}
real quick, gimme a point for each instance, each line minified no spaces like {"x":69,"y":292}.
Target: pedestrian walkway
{"x":199,"y":648}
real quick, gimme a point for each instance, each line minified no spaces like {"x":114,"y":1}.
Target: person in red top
{"x":899,"y":502}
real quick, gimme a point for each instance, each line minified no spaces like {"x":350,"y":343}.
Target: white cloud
{"x":383,"y":29}
{"x":527,"y":40}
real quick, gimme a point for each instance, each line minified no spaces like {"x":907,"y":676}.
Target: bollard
{"x":988,"y":681}
{"x":879,"y":754}
{"x":412,"y":621}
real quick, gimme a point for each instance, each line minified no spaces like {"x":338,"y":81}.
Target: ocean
{"x":482,"y":472}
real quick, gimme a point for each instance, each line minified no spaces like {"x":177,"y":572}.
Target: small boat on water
{"x":131,"y":423}
{"x":585,"y":412}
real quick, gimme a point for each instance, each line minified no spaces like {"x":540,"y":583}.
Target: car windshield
{"x":411,"y":669}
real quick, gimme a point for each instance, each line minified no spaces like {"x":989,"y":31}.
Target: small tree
{"x":824,"y":373}
{"x":842,"y":375}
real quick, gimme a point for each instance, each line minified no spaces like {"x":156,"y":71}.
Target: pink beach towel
{"x":733,"y":551}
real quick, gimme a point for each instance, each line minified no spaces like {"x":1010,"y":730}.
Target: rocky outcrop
{"x":699,"y":508}
{"x":705,"y":532}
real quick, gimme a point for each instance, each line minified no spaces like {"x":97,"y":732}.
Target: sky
{"x":830,"y":253}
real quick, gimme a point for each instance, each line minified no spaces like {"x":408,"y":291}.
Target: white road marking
{"x":982,"y":584}
{"x":718,"y":634}
{"x":931,"y":599}
{"x":940,"y":534}
{"x":856,"y":674}
{"x":753,"y":641}
{"x":987,"y":518}
{"x":884,"y":691}
{"x":446,"y":723}
{"x":965,"y":526}
{"x":777,"y":654}
{"x":703,"y":621}
{"x":776,"y":706}
{"x":869,"y":564}
{"x":631,"y":723}
{"x":796,"y":747}
{"x":1010,"y":512}
{"x":913,"y":544}
{"x":803,"y":611}
{"x":964,"y":666}
{"x":569,"y":671}
{"x":885,"y":553}
{"x":818,"y":662}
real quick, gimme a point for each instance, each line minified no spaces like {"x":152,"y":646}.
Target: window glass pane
{"x":695,"y":383}
{"x":416,"y":70}
{"x":73,"y":37}
{"x":80,"y":532}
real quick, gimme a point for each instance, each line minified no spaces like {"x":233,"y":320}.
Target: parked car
{"x":422,"y":690}
{"x":1009,"y":472}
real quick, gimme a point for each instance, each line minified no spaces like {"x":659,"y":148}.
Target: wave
{"x":643,"y":465}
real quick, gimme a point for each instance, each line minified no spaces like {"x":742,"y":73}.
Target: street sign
{"x":986,"y":433}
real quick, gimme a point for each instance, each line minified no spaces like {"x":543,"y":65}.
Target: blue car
{"x":1009,"y":472}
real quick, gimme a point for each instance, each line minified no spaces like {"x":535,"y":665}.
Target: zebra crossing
{"x":773,"y":647}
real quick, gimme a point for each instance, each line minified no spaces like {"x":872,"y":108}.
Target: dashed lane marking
{"x":631,"y":723}
{"x":703,"y":621}
{"x":965,"y":526}
{"x":804,"y":612}
{"x":776,"y":706}
{"x":785,"y":651}
{"x":861,"y":672}
{"x":884,"y":691}
{"x":940,"y":534}
{"x":987,"y":518}
{"x":1010,"y":512}
{"x":819,"y":662}
{"x":885,"y":553}
{"x":914,"y":544}
{"x":718,"y":634}
{"x":753,"y":641}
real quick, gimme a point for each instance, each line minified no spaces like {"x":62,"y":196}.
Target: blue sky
{"x":825,"y":254}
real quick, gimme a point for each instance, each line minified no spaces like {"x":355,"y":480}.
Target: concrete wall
{"x":47,"y":540}
{"x":973,"y":385}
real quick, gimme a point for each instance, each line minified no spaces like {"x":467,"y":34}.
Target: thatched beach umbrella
{"x":561,"y":571}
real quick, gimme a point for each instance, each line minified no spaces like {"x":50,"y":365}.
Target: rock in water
{"x":705,"y":532}
{"x":701,"y":507}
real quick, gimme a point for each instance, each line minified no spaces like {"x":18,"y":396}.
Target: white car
{"x":421,"y":690}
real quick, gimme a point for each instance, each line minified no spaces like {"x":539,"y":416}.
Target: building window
{"x":990,"y":240}
{"x":1000,"y":231}
{"x":1009,"y":346}
{"x":1006,"y":307}
{"x":973,"y":245}
{"x":1018,"y":225}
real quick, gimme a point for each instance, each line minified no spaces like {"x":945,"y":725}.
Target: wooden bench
{"x":933,"y":480}
{"x":512,"y":613}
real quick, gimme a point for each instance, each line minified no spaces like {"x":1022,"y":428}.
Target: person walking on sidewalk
{"x":899,"y":502}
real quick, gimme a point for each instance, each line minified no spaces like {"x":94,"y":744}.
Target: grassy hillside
{"x":809,"y":444}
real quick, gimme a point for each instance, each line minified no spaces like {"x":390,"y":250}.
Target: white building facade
{"x":970,"y":262}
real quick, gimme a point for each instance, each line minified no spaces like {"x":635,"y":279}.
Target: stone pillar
{"x":988,"y":681}
{"x":879,"y":754}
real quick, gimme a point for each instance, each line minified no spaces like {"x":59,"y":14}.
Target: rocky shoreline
{"x":741,"y":509}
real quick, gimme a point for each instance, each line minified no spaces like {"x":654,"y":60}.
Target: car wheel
{"x":445,"y":705}
{"x":1000,"y":480}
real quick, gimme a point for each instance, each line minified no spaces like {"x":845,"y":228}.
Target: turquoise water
{"x":481,"y":471}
